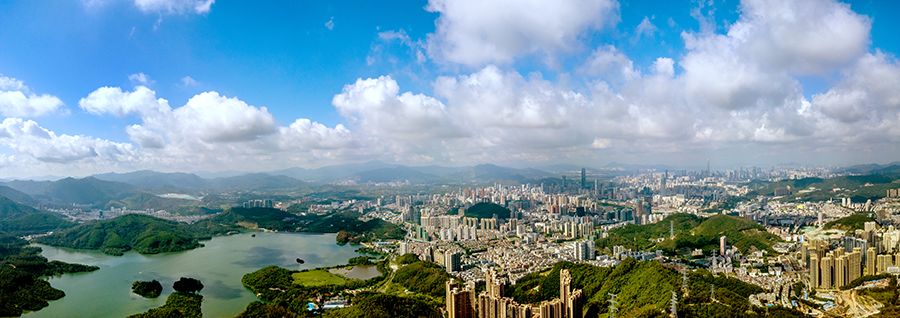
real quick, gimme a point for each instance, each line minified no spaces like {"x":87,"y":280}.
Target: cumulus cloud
{"x":28,"y":138}
{"x":175,"y":6}
{"x":475,"y":33}
{"x":17,"y":100}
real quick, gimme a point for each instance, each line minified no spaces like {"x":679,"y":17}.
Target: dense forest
{"x":142,"y":233}
{"x":21,"y":269}
{"x":147,"y":289}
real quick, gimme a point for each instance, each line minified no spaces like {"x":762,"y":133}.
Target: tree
{"x":187,"y":285}
{"x":150,"y":289}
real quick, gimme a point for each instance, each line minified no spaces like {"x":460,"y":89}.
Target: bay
{"x":220,"y":264}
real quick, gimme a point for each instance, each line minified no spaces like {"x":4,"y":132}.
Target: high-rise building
{"x":814,"y":280}
{"x":584,"y":250}
{"x":584,"y":184}
{"x":840,"y":271}
{"x":452,"y":261}
{"x":460,"y":301}
{"x":870,"y":261}
{"x":722,"y":245}
{"x":827,"y":271}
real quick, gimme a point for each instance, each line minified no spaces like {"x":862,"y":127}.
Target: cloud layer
{"x":739,"y":91}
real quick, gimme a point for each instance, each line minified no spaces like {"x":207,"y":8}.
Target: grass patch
{"x":318,"y":277}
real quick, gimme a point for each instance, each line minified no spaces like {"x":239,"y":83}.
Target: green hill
{"x":422,"y":277}
{"x":487,"y":210}
{"x":631,"y":282}
{"x":853,"y":222}
{"x":142,"y":233}
{"x":20,"y":219}
{"x":21,"y":269}
{"x":691,"y":232}
{"x":349,"y":227}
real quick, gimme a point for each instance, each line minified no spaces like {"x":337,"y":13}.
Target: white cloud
{"x":376,"y":106}
{"x":609,"y":64}
{"x":17,"y":100}
{"x":330,"y":24}
{"x":140,"y":79}
{"x":188,"y":81}
{"x":175,"y":6}
{"x":474,"y":32}
{"x":645,"y":29}
{"x":28,"y":138}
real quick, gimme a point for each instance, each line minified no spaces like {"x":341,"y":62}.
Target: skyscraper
{"x":584,"y":179}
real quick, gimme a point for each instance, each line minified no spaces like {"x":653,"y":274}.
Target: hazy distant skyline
{"x":197,"y":85}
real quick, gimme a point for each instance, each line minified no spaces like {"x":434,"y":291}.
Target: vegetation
{"x":630,"y":280}
{"x":406,"y":259}
{"x":853,"y":222}
{"x":888,"y":296}
{"x":19,"y":219}
{"x":147,"y":289}
{"x":21,"y":266}
{"x":187,"y":285}
{"x":379,"y":305}
{"x":142,"y":233}
{"x":178,"y":304}
{"x":318,"y":277}
{"x":360,"y":260}
{"x":487,"y":210}
{"x":691,"y":232}
{"x":422,"y":277}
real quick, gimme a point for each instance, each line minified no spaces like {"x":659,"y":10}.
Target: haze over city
{"x":95,"y":86}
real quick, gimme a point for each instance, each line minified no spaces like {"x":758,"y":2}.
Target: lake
{"x":220,"y":264}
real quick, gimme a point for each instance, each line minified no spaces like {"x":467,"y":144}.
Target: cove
{"x":220,"y":264}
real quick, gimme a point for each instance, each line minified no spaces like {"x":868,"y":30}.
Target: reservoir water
{"x":220,"y":264}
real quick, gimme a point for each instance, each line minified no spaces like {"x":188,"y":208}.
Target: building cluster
{"x":893,"y":193}
{"x":490,"y":303}
{"x":833,"y":264}
{"x":258,"y":203}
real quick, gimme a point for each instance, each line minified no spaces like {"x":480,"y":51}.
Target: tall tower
{"x":583,"y":178}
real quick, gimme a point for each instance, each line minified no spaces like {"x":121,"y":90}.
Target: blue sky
{"x":295,"y":57}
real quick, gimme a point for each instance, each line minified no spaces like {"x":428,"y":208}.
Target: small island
{"x":147,"y":289}
{"x":184,"y":302}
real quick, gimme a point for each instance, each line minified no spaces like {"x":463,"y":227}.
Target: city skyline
{"x":200,"y":85}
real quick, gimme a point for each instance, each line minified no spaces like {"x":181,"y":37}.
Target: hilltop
{"x":142,"y":233}
{"x":487,"y":210}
